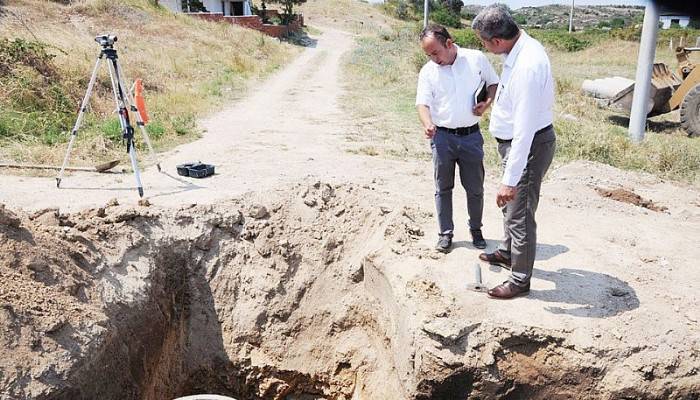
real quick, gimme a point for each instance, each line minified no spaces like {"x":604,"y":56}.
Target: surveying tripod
{"x":124,"y":101}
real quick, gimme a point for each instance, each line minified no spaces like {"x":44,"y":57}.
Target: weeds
{"x":189,"y":67}
{"x":382,"y":80}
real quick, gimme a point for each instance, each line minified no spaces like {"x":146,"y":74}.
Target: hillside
{"x":189,"y":67}
{"x":557,"y":15}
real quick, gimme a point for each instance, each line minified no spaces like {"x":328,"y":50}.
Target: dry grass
{"x":350,"y":15}
{"x":381,"y":76}
{"x":190,"y":68}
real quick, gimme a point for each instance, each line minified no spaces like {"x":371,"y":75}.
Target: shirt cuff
{"x":510,"y":180}
{"x":423,"y":102}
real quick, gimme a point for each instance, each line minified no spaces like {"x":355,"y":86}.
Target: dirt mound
{"x":628,"y":196}
{"x":314,"y":291}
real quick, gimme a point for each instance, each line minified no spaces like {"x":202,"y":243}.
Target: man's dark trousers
{"x":466,"y":151}
{"x":519,"y":225}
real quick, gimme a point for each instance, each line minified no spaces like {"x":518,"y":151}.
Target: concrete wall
{"x":213,"y":6}
{"x":667,"y":19}
{"x":255,"y":22}
{"x":172,"y":5}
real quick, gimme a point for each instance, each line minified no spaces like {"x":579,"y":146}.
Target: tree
{"x":288,"y":8}
{"x":617,"y":23}
{"x":454,"y":6}
{"x":694,"y":22}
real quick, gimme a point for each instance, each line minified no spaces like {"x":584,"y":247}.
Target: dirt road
{"x":289,"y":128}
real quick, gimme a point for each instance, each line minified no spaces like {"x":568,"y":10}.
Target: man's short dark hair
{"x":495,"y":21}
{"x":439,"y":32}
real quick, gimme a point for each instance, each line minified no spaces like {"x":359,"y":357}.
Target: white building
{"x":225,"y":7}
{"x":668,"y":20}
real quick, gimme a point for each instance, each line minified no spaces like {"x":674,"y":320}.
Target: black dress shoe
{"x":508,"y":290}
{"x":478,"y":239}
{"x":444,"y":244}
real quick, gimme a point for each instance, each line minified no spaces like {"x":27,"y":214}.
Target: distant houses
{"x":238,"y":12}
{"x":231,"y":8}
{"x":667,"y":21}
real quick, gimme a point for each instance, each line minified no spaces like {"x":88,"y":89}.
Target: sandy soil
{"x":344,"y":297}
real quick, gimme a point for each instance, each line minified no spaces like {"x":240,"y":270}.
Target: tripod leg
{"x":135,"y":166}
{"x":79,"y":120}
{"x":127,"y":129}
{"x":139,"y":120}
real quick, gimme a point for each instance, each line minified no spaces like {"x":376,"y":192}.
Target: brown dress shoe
{"x":508,"y":290}
{"x":495,"y":258}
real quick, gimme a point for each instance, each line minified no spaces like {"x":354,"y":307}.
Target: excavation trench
{"x":291,"y":295}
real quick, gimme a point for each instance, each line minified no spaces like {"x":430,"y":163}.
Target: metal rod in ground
{"x":645,"y":61}
{"x":476,"y":270}
{"x":476,"y":285}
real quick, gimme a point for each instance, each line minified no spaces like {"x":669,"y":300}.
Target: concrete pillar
{"x":426,"y":5}
{"x":645,"y":61}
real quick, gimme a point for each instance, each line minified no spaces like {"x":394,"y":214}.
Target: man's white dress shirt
{"x":448,"y":90}
{"x":524,"y":102}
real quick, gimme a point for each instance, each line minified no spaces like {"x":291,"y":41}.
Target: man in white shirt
{"x":521,"y":122}
{"x":448,"y":111}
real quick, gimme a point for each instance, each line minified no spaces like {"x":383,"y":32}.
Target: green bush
{"x":112,"y":129}
{"x":155,"y":129}
{"x":444,"y":17}
{"x":466,"y":38}
{"x":617,"y":23}
{"x":629,"y":33}
{"x":562,"y":39}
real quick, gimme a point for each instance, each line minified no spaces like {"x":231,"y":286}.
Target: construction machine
{"x":669,"y":91}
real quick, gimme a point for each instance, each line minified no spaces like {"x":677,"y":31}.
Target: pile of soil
{"x":314,"y":291}
{"x":628,"y":196}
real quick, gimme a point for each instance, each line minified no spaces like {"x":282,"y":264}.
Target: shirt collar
{"x":438,"y":65}
{"x":513,"y":55}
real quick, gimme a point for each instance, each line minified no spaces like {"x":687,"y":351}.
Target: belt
{"x":545,"y":129}
{"x":461,"y":131}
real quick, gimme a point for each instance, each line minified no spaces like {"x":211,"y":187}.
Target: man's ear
{"x":449,"y":43}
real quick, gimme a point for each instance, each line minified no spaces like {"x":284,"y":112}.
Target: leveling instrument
{"x":124,"y":101}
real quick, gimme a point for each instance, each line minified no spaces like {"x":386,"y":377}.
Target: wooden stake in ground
{"x":104,"y":167}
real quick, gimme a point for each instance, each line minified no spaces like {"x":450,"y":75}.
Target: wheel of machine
{"x":690,"y":111}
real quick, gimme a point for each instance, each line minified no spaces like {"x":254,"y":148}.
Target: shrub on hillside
{"x":30,"y":54}
{"x":402,"y":11}
{"x":629,"y":33}
{"x":445,"y":17}
{"x":33,"y":103}
{"x":466,"y":38}
{"x":617,"y":23}
{"x":561,"y":40}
